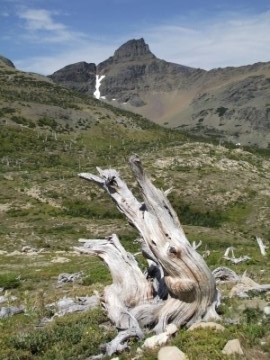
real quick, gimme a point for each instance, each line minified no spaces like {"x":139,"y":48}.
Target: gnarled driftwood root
{"x":178,"y":288}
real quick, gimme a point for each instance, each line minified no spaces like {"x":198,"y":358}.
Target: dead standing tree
{"x":179,"y":287}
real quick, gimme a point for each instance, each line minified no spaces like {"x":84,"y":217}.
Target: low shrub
{"x":9,"y":281}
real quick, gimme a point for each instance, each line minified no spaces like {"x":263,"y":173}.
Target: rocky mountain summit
{"x":230,"y":103}
{"x":131,"y":72}
{"x":133,"y":50}
{"x":134,"y":71}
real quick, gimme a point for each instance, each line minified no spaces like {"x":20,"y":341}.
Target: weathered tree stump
{"x":178,"y":288}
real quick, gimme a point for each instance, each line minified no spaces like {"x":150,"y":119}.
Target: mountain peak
{"x":133,"y":49}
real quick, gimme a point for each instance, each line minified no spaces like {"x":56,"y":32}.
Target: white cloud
{"x":40,"y":19}
{"x":94,"y":53}
{"x":41,"y":27}
{"x":228,"y":41}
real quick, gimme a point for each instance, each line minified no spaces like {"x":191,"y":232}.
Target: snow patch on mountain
{"x":98,"y":83}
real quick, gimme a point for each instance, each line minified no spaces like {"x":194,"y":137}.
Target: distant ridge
{"x":230,"y":104}
{"x":6,"y":61}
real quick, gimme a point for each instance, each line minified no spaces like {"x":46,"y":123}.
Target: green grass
{"x":75,"y":336}
{"x":196,"y":217}
{"x":9,"y":281}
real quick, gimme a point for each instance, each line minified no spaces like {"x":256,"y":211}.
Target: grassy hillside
{"x":47,"y":136}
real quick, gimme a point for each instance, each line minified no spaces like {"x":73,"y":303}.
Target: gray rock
{"x":171,"y":353}
{"x":10,"y":311}
{"x":27,"y":249}
{"x":206,"y":325}
{"x":171,"y":329}
{"x":68,"y":278}
{"x":156,"y":340}
{"x":233,"y":347}
{"x":266,"y":310}
{"x":68,"y":305}
{"x":160,"y":339}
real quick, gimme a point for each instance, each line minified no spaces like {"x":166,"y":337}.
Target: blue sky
{"x":44,"y":35}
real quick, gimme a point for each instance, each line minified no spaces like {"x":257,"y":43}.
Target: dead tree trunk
{"x":182,"y":289}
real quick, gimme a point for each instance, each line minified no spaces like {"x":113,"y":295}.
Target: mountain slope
{"x":33,"y":101}
{"x":230,"y":103}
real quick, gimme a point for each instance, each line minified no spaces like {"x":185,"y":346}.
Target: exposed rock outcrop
{"x":80,"y":76}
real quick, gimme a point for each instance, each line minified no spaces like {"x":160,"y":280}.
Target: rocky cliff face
{"x":80,"y":76}
{"x":231,"y":103}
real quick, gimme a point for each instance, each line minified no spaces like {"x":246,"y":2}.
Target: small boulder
{"x":68,"y":305}
{"x":208,"y":325}
{"x":69,"y":278}
{"x":171,"y":329}
{"x":10,"y":311}
{"x":266,"y":310}
{"x":162,"y":338}
{"x":156,"y":340}
{"x":29,"y":249}
{"x":171,"y":353}
{"x":233,"y":347}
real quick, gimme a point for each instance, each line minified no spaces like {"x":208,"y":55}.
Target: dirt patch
{"x":36,"y":194}
{"x":4,"y":207}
